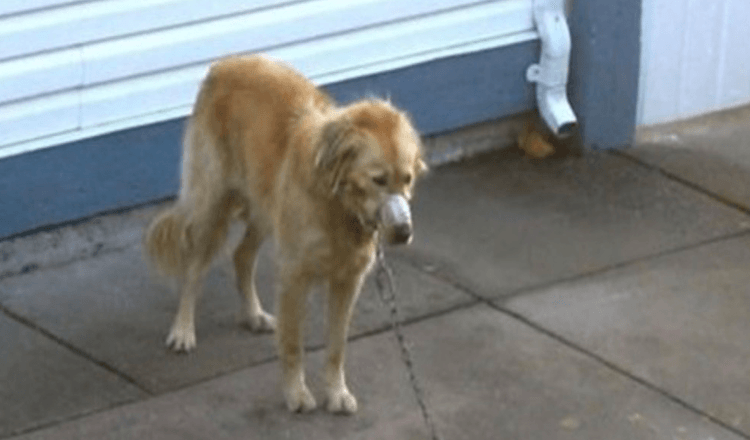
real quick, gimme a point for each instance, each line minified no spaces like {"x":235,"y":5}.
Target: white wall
{"x":695,"y":58}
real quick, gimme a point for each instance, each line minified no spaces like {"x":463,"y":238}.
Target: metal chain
{"x":387,"y":292}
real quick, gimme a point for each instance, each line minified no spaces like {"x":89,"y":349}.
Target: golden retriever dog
{"x":325,"y":182}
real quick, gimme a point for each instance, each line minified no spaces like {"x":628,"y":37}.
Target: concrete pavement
{"x":602,"y":296}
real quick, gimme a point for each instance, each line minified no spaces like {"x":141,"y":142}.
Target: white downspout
{"x":551,"y":74}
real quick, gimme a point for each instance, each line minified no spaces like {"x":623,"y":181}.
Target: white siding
{"x":695,"y":58}
{"x":70,"y":70}
{"x":8,"y":7}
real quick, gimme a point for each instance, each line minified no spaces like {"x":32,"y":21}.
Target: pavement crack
{"x":493,"y":303}
{"x":622,"y":265}
{"x":617,"y":369}
{"x":33,"y":267}
{"x":684,"y":182}
{"x":532,"y":288}
{"x":72,"y":348}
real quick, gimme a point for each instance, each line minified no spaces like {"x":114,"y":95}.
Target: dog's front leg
{"x":341,"y":298}
{"x":290,"y":319}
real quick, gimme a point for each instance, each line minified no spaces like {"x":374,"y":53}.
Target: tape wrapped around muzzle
{"x":394,"y":218}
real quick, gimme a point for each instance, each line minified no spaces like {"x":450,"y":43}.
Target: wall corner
{"x":604,"y":70}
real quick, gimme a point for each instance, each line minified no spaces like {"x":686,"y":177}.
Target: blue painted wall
{"x":69,"y":182}
{"x":119,"y":170}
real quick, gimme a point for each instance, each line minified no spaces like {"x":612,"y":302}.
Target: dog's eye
{"x":380,"y":180}
{"x":407,"y":179}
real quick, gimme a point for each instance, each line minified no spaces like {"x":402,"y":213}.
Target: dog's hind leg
{"x":245,"y":260}
{"x":206,"y":232}
{"x":182,"y":334}
{"x":341,"y":298}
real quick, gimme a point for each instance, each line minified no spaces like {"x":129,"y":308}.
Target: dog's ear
{"x":336,"y":150}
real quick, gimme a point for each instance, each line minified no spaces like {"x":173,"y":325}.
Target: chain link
{"x":387,"y":292}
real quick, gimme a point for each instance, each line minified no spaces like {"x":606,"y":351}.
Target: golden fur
{"x":266,"y":146}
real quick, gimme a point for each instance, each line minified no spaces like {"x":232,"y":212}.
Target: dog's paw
{"x":181,"y":339}
{"x":261,"y":323}
{"x":341,"y":401}
{"x":300,"y":399}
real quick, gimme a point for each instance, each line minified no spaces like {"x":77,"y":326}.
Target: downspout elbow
{"x":556,"y":110}
{"x":551,"y":74}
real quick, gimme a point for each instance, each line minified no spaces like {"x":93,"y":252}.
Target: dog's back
{"x":243,"y":112}
{"x":235,"y":143}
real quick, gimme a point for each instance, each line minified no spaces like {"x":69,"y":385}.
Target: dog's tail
{"x":166,"y":240}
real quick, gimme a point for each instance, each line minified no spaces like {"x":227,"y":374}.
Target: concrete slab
{"x":679,"y":322}
{"x":491,"y":376}
{"x":487,"y":376}
{"x":42,"y":382}
{"x":499,"y":223}
{"x":110,"y":307}
{"x":712,"y":152}
{"x":249,"y":405}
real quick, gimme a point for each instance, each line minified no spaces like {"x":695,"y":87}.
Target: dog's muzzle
{"x":394,"y":218}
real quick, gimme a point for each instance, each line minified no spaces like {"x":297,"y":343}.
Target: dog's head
{"x":370,"y":156}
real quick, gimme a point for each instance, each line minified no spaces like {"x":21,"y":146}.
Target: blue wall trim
{"x":106,"y":173}
{"x":604,"y":70}
{"x":49,"y":187}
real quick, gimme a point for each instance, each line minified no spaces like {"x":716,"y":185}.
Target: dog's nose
{"x":401,"y":233}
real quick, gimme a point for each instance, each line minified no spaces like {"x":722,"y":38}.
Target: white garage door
{"x":76,"y":69}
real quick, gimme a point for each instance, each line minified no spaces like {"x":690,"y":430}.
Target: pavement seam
{"x":617,"y":369}
{"x":682,"y":181}
{"x":313,"y":348}
{"x":590,"y":354}
{"x":72,"y":348}
{"x":526,"y":290}
{"x":150,"y":395}
{"x":622,"y":265}
{"x":52,"y":423}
